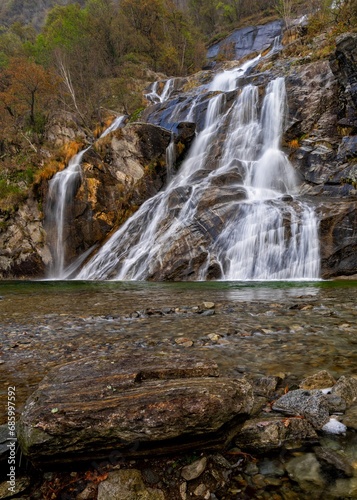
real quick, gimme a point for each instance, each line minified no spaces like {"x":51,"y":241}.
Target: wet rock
{"x":245,"y":41}
{"x":127,"y":485}
{"x":346,"y":388}
{"x":320,"y":380}
{"x":129,"y":402}
{"x":306,"y":471}
{"x":273,"y":432}
{"x":183,"y":341}
{"x":264,"y":386}
{"x":309,"y":404}
{"x":334,"y":461}
{"x":344,"y":488}
{"x":335,"y":403}
{"x":271,"y":468}
{"x":350,"y":417}
{"x":194,"y":470}
{"x":338,"y":250}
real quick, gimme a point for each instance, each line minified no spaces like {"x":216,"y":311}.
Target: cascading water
{"x":270,"y":239}
{"x":266,"y":233}
{"x":154,"y":96}
{"x":60,"y":194}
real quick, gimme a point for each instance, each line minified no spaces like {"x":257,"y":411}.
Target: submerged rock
{"x":127,"y":485}
{"x":306,"y":471}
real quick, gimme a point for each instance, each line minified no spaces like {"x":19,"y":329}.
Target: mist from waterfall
{"x":269,"y":234}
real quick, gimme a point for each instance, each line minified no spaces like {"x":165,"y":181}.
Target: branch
{"x":28,"y":140}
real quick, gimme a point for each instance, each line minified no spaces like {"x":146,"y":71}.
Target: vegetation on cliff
{"x":80,"y":62}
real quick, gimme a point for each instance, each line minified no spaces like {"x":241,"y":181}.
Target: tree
{"x":284,"y":9}
{"x":26,"y":90}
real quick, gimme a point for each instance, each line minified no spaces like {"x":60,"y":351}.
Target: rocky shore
{"x":217,"y":392}
{"x":160,"y":425}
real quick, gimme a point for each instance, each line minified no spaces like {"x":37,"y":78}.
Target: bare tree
{"x":284,"y":9}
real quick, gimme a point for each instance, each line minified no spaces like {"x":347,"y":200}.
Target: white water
{"x":265,"y":237}
{"x":61,"y":191}
{"x":154,"y":96}
{"x":227,"y":80}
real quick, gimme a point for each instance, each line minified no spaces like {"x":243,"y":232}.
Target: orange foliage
{"x":48,"y":171}
{"x":70,"y":149}
{"x":294,"y":144}
{"x":100,"y":128}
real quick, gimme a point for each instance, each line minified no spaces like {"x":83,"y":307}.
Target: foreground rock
{"x":154,"y":421}
{"x":130,"y":403}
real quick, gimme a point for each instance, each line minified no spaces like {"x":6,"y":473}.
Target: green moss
{"x":11,"y":195}
{"x":136,"y":115}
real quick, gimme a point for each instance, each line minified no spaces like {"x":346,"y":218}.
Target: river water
{"x":292,"y":329}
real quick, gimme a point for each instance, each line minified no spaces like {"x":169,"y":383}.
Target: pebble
{"x":194,"y":470}
{"x":208,"y":305}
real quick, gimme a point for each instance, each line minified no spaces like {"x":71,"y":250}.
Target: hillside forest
{"x":90,"y":60}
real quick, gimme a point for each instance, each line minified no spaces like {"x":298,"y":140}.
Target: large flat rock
{"x":130,"y":403}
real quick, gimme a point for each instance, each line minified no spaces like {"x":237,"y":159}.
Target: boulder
{"x":346,"y":388}
{"x":321,"y":380}
{"x":131,"y":403}
{"x":273,"y":433}
{"x":309,"y":404}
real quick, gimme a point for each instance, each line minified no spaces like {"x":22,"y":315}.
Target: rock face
{"x":245,"y":41}
{"x":23,"y":252}
{"x":119,"y":173}
{"x":338,"y":230}
{"x":130,"y":403}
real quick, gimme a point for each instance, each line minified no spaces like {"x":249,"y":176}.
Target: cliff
{"x":127,"y":167}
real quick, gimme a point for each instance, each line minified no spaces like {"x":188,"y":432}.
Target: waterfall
{"x":62,"y":188}
{"x":269,"y":239}
{"x":267,"y":232}
{"x":153,"y":94}
{"x":138,"y":242}
{"x":170,"y":158}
